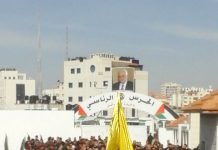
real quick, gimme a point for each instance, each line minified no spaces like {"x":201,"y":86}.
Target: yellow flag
{"x":118,"y":138}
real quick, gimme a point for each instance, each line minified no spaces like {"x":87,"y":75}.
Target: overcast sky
{"x":175,"y":40}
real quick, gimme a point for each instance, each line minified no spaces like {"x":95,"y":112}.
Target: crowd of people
{"x":68,"y":144}
{"x":93,"y":143}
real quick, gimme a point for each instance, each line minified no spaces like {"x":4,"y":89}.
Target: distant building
{"x":203,"y":122}
{"x":56,"y":95}
{"x":87,"y":77}
{"x":188,"y":96}
{"x":159,"y":97}
{"x":168,"y":89}
{"x":178,"y":130}
{"x":15,"y":88}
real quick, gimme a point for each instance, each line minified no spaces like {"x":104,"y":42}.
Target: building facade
{"x":204,"y":122}
{"x":188,"y":95}
{"x":97,"y":74}
{"x":168,"y":89}
{"x":56,"y":95}
{"x":15,"y":88}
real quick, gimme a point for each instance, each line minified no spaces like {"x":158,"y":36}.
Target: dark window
{"x":135,"y":61}
{"x":20,"y":77}
{"x":72,"y":71}
{"x":107,"y":69}
{"x":5,"y":77}
{"x":14,"y":78}
{"x":90,"y":84}
{"x":80,"y":98}
{"x":92,"y":68}
{"x":70,"y":99}
{"x":105,"y":83}
{"x":9,"y":77}
{"x":133,"y":112}
{"x":78,"y":70}
{"x":33,"y":99}
{"x":80,"y":85}
{"x":70,"y":85}
{"x":195,"y":98}
{"x":105,"y":113}
{"x":95,"y":84}
{"x":148,"y":130}
{"x":20,"y":92}
{"x":54,"y":98}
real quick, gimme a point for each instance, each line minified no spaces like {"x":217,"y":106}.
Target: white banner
{"x":128,"y":99}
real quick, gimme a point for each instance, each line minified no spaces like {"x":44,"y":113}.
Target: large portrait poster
{"x":123,"y":79}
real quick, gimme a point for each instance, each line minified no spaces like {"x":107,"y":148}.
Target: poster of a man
{"x":123,"y":79}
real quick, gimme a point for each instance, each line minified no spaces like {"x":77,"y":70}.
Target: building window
{"x":9,"y":77}
{"x":20,"y":92}
{"x":92,"y":68}
{"x":70,"y":85}
{"x":105,"y":113}
{"x":54,"y":98}
{"x":14,"y":78}
{"x":5,"y":77}
{"x":72,"y":71}
{"x":105,"y":83}
{"x":20,"y":77}
{"x":80,"y":98}
{"x":107,"y":69}
{"x":95,"y":84}
{"x":70,"y":99}
{"x":133,"y":112}
{"x":26,"y":97}
{"x":78,"y":70}
{"x":195,"y":98}
{"x":80,"y":84}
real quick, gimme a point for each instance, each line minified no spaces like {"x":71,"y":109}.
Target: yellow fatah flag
{"x":118,"y":138}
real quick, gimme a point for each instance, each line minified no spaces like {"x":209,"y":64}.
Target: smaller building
{"x":15,"y":88}
{"x":204,"y":122}
{"x":188,"y":95}
{"x":56,"y":95}
{"x":180,"y":130}
{"x":170,"y":88}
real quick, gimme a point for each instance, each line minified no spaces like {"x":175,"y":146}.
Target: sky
{"x":176,"y":41}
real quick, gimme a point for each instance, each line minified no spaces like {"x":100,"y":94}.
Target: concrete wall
{"x":8,"y":81}
{"x":165,"y":135}
{"x":141,"y":82}
{"x":18,"y":124}
{"x":208,"y":132}
{"x":194,"y":132}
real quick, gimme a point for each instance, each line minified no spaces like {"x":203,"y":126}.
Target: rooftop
{"x":7,"y":69}
{"x":181,"y":120}
{"x":133,"y":62}
{"x":207,"y":104}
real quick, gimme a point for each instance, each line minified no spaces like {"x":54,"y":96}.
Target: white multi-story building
{"x":188,"y":95}
{"x":168,"y":89}
{"x":15,"y":88}
{"x":87,"y":77}
{"x":55,"y":94}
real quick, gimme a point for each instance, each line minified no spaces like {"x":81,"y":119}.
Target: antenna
{"x":67,"y":42}
{"x":39,"y":59}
